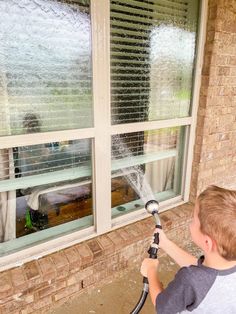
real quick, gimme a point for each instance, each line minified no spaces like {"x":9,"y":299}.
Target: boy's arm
{"x":180,"y":256}
{"x":155,"y":286}
{"x":177,"y":296}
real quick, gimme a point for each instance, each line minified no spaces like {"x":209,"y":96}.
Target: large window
{"x":96,"y":113}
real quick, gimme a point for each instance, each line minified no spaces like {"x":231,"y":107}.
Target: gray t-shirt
{"x":199,"y":290}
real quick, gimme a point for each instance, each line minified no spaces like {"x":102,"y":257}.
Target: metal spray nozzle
{"x":152,"y":207}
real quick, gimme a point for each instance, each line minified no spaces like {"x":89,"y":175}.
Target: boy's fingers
{"x":143,"y":270}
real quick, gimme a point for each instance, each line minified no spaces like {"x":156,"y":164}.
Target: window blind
{"x":152,"y":57}
{"x":148,"y":143}
{"x":45,"y":64}
{"x":44,"y":158}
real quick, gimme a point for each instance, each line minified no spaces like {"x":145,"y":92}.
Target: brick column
{"x":215,"y":150}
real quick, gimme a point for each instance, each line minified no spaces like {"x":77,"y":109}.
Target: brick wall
{"x":215,"y":149}
{"x":52,"y":280}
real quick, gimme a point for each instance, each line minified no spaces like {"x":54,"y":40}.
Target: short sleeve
{"x":178,"y":295}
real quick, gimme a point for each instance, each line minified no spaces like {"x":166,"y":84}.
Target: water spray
{"x":152,"y":208}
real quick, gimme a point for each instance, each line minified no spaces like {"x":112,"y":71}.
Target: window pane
{"x":52,"y":157}
{"x":52,"y":186}
{"x":152,"y":58}
{"x":45,"y":65}
{"x":146,"y":165}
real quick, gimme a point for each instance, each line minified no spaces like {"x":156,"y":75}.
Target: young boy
{"x":206,"y":285}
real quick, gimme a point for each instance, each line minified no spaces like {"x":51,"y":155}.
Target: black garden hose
{"x":142,"y":298}
{"x":152,"y":254}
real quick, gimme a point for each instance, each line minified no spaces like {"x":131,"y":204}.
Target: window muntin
{"x":45,"y":65}
{"x":146,"y":165}
{"x":152,"y":59}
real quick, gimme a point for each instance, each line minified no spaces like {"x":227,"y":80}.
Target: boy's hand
{"x":163,"y":240}
{"x":148,"y":265}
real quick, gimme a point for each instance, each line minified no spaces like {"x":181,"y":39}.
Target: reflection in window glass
{"x":152,"y":59}
{"x":146,"y":165}
{"x":45,"y":64}
{"x":52,"y":157}
{"x":53,"y":187}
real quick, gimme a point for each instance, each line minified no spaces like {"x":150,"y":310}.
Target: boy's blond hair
{"x":217,"y":215}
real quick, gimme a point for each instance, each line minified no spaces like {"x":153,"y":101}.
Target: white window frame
{"x":101,"y":135}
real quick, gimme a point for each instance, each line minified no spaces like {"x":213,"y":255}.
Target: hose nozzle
{"x":152,"y":207}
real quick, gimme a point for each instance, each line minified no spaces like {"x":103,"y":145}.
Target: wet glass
{"x":152,"y":59}
{"x":146,"y":165}
{"x":45,"y":65}
{"x":53,"y":189}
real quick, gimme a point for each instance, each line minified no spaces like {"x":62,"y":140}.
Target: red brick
{"x":148,"y":225}
{"x":10,"y":306}
{"x":34,"y":288}
{"x":45,"y":291}
{"x":124,"y":235}
{"x":95,"y":248}
{"x":85,"y":254}
{"x":67,"y":292}
{"x":223,"y":70}
{"x":27,"y":298}
{"x":78,"y":277}
{"x":101,"y":275}
{"x":18,"y":279}
{"x":27,"y":310}
{"x":88,"y":281}
{"x":42,"y":303}
{"x":47,"y":268}
{"x":74,"y":258}
{"x":143,"y":227}
{"x":133,"y":232}
{"x":81,"y":275}
{"x":32,"y":273}
{"x":59,"y":284}
{"x":72,"y":280}
{"x":100,"y":266}
{"x":62,"y":265}
{"x":138,"y":229}
{"x":116,"y":239}
{"x":106,"y":244}
{"x":5,"y":285}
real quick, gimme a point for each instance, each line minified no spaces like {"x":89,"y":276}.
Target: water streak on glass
{"x":152,"y":59}
{"x":45,"y":64}
{"x":146,"y":165}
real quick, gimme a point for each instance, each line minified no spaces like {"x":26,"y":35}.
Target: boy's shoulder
{"x":198,"y":278}
{"x":193,"y":286}
{"x":201,"y":277}
{"x":197,"y":273}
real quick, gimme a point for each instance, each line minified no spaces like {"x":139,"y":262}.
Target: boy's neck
{"x":214,"y":260}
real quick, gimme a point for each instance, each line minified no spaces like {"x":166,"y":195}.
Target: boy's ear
{"x":209,"y":244}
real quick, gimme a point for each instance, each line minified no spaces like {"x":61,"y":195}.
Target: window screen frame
{"x":101,"y":134}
